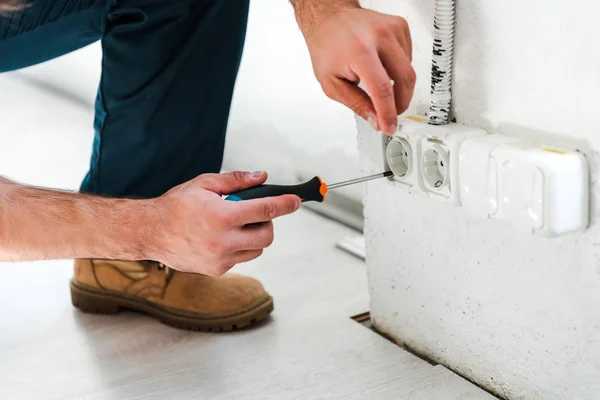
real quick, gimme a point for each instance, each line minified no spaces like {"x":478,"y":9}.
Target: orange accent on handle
{"x":323,"y":189}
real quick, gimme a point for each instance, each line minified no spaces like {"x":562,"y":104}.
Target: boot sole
{"x":93,"y":301}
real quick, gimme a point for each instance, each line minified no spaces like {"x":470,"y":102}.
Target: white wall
{"x":518,"y":314}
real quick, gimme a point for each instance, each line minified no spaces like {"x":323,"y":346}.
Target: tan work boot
{"x":183,"y":300}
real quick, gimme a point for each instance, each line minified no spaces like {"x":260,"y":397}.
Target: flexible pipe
{"x":441,"y":69}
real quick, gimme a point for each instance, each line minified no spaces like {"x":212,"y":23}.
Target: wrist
{"x":119,"y":229}
{"x":143,"y":229}
{"x":310,"y":13}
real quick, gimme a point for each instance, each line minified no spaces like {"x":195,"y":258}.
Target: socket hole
{"x":399,"y":155}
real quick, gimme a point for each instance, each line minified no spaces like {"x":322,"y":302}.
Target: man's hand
{"x":349,"y":45}
{"x":189,"y":228}
{"x":205,"y":234}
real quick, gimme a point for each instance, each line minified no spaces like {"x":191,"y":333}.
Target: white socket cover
{"x":434,"y":156}
{"x":534,"y":188}
{"x":399,"y":157}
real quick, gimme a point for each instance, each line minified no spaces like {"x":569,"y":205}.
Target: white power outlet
{"x":425,"y":157}
{"x":400,"y":158}
{"x":533,"y":187}
{"x":435,"y":167}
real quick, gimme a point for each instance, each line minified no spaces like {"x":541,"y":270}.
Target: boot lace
{"x":168,"y":271}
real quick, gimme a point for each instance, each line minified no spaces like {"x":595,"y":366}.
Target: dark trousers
{"x":168,"y":72}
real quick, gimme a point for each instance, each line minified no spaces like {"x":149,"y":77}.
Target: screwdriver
{"x":313,"y":190}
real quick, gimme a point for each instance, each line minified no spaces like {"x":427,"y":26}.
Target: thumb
{"x":353,"y":97}
{"x":232,"y":181}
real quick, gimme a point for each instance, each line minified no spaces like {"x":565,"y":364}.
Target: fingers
{"x":237,"y":257}
{"x":377,"y":82}
{"x":398,"y":67}
{"x":402,"y":32}
{"x":262,"y":210}
{"x":353,"y":97}
{"x":232,"y":181}
{"x":238,"y":245}
{"x":253,"y":237}
{"x":392,"y":61}
{"x":245,"y":256}
{"x":246,"y":244}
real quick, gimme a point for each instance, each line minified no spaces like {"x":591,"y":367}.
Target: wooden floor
{"x":309,"y":349}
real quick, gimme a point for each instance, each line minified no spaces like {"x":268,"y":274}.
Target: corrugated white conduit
{"x":441,"y":69}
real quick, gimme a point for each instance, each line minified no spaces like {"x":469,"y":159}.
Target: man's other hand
{"x":349,"y":45}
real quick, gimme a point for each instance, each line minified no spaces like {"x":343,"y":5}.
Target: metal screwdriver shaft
{"x":359,"y":180}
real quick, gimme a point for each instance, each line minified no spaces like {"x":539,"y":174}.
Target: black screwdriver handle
{"x":313,"y":190}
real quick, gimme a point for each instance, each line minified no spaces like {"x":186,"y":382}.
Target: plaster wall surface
{"x":517,"y":314}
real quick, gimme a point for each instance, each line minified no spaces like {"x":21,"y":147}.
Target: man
{"x":153,"y":191}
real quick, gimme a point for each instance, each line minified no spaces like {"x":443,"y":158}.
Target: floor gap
{"x":365,"y":320}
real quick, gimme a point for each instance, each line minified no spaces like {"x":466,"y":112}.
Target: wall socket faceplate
{"x":424,"y":158}
{"x":533,"y":187}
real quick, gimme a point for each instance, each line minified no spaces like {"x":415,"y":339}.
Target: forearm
{"x":38,"y":224}
{"x":308,"y":12}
